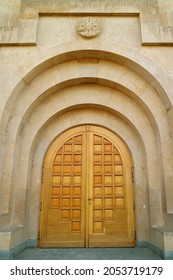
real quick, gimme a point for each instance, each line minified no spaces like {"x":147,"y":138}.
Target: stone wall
{"x":53,"y":78}
{"x":20,"y":19}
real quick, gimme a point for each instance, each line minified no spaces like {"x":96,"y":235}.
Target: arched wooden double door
{"x":87,"y":198}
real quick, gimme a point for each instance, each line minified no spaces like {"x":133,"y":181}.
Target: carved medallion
{"x":89,"y":27}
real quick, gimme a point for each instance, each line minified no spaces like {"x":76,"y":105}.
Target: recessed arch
{"x":69,"y":83}
{"x":132,"y":60}
{"x":67,"y":120}
{"x":126,"y":56}
{"x":115,"y":75}
{"x":56,"y":127}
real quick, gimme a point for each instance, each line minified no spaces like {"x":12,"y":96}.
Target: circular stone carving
{"x":89,"y":27}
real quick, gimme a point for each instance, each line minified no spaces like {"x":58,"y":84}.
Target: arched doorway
{"x":87,"y":197}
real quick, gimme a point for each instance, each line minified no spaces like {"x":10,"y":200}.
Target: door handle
{"x":89,"y":200}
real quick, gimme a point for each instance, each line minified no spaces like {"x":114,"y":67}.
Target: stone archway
{"x":74,"y":89}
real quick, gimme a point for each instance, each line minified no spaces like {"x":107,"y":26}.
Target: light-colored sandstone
{"x":52,"y":79}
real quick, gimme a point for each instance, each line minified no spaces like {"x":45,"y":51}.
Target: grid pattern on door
{"x":87,"y":191}
{"x":108,"y":190}
{"x":67,"y":183}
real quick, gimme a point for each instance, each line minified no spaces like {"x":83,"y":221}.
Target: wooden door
{"x":87,"y":198}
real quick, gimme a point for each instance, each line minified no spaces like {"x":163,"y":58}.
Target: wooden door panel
{"x":109,"y":222}
{"x":65,"y":202}
{"x":86,"y":184}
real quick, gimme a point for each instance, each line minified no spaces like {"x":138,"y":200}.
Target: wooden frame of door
{"x":87,"y":192}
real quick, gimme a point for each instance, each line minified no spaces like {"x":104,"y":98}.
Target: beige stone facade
{"x":52,"y":78}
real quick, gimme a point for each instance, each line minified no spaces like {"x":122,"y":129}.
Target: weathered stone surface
{"x":20,"y":19}
{"x":52,"y":79}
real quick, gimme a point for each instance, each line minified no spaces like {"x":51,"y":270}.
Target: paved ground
{"x":87,"y":254}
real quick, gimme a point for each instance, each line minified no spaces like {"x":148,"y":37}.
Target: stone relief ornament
{"x":89,"y":27}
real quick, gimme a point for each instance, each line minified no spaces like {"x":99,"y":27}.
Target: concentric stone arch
{"x":111,"y":85}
